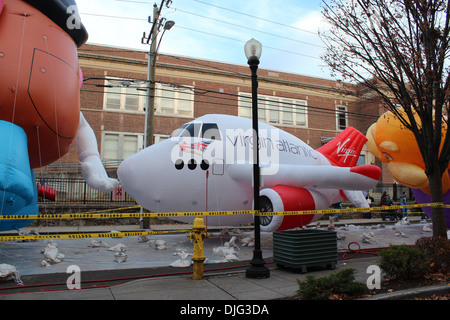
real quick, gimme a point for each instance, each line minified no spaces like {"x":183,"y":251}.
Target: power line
{"x":109,"y":16}
{"x":237,"y":12}
{"x":222,"y":21}
{"x":143,"y":2}
{"x":245,"y":27}
{"x":259,"y":18}
{"x":241,"y":41}
{"x":217,"y":68}
{"x":234,"y":11}
{"x":207,"y":33}
{"x":310,"y":110}
{"x":230,"y":97}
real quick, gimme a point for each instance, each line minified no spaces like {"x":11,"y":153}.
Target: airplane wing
{"x":318,"y":177}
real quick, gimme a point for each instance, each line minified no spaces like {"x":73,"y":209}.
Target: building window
{"x":275,"y":110}
{"x":120,"y":145}
{"x":341,"y":117}
{"x":361,"y":160}
{"x":170,"y":100}
{"x":161,"y":137}
{"x":123,"y":95}
{"x":245,"y":106}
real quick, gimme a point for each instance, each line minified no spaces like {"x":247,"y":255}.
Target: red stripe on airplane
{"x":367,"y":170}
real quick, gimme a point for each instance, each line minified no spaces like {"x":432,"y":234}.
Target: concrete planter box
{"x":299,"y":249}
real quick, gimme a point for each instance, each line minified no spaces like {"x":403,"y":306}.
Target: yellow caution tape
{"x":93,"y":215}
{"x":121,"y":208}
{"x":171,"y":214}
{"x":123,"y":215}
{"x":87,"y":235}
{"x":327,"y":211}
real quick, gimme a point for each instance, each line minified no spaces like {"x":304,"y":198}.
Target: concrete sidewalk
{"x":282,"y":283}
{"x":223,"y":286}
{"x":216,"y":285}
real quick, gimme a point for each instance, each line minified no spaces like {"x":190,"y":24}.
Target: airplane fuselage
{"x":206,"y":165}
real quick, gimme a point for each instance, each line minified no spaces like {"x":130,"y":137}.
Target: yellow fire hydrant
{"x":198,"y":234}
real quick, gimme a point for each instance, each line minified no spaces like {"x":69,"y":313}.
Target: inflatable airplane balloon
{"x":40,"y":118}
{"x":206,"y":165}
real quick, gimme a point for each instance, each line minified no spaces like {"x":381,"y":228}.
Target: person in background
{"x":385,"y":202}
{"x":403,"y":203}
{"x":370,"y":200}
{"x":336,"y":206}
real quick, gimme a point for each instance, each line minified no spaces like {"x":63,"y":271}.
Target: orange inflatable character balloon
{"x":40,"y":117}
{"x":40,"y":75}
{"x":392,"y":143}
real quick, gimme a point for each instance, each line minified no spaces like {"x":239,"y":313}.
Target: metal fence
{"x":75,"y":190}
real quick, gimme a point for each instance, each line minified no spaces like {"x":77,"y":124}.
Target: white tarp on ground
{"x":27,"y":256}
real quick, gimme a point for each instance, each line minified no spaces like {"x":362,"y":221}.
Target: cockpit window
{"x":191,"y":130}
{"x":178,"y":131}
{"x":210,"y":131}
{"x":187,"y":130}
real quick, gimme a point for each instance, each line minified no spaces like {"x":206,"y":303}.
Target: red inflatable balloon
{"x":39,"y":80}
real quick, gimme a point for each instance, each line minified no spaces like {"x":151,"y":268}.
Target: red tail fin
{"x":344,"y":150}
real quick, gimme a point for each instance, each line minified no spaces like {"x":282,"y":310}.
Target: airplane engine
{"x":285,"y":198}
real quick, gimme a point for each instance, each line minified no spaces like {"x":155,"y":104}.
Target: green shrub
{"x":437,"y":251}
{"x":338,"y":283}
{"x":402,"y":262}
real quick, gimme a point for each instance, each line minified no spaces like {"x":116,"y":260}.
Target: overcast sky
{"x":217,"y":29}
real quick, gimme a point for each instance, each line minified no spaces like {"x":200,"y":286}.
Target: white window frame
{"x":124,"y":92}
{"x":121,"y":137}
{"x":273,"y":110}
{"x":341,"y":111}
{"x":161,"y":89}
{"x":161,"y":137}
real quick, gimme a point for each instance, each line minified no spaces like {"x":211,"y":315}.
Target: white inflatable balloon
{"x":92,"y":168}
{"x":207,"y":165}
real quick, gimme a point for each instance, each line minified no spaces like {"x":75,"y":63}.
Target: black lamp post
{"x":257,"y":269}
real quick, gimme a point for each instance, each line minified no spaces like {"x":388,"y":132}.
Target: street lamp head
{"x":168,"y":25}
{"x":253,"y":49}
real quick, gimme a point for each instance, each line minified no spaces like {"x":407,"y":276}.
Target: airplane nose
{"x":141,"y":174}
{"x":127,"y":174}
{"x":136,"y":178}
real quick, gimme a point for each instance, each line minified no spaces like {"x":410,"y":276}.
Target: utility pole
{"x":151,"y":64}
{"x":150,"y":107}
{"x":149,"y":139}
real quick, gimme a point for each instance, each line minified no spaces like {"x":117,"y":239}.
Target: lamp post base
{"x":257,"y":270}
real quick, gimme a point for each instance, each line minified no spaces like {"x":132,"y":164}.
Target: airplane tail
{"x":344,"y":150}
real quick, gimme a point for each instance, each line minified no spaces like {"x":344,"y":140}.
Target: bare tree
{"x":399,"y":49}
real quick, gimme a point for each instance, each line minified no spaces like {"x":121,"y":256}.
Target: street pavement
{"x":219,"y":284}
{"x":224,"y":285}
